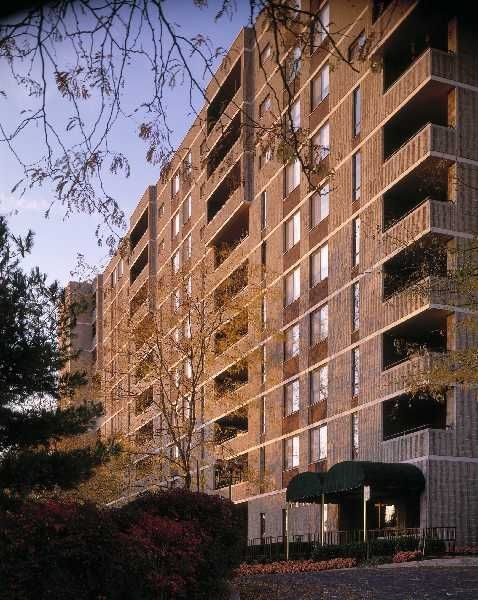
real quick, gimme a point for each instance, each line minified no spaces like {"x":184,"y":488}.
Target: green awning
{"x":305,"y":487}
{"x":351,"y":475}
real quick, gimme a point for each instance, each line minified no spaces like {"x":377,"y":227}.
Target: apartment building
{"x":386,"y":95}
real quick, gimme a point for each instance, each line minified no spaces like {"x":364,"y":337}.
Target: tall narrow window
{"x":291,"y":453}
{"x":321,"y":143}
{"x":265,"y":106}
{"x":292,"y":176}
{"x":356,"y":241}
{"x":355,"y":435}
{"x":176,"y":261}
{"x":319,"y":384}
{"x":319,"y":205}
{"x":294,"y":116}
{"x":318,"y":443}
{"x":263,"y":414}
{"x":320,"y":86}
{"x":319,"y":265}
{"x":176,"y":224}
{"x":262,"y":526}
{"x":292,"y":341}
{"x":292,"y":231}
{"x":264,"y":364}
{"x":319,"y":324}
{"x":187,"y":209}
{"x":321,"y":26}
{"x":356,"y":175}
{"x":291,"y":397}
{"x":292,"y":286}
{"x":357,"y":110}
{"x":188,"y":247}
{"x":263,"y":210}
{"x":355,"y":372}
{"x":355,"y":306}
{"x":294,"y":64}
{"x":175,"y":184}
{"x":262,"y":464}
{"x":263,"y":311}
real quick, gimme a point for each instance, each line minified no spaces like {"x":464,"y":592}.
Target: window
{"x":188,"y":163}
{"x":291,"y":397}
{"x":291,"y":342}
{"x":188,"y":247}
{"x":175,"y":184}
{"x":177,"y":335}
{"x":176,"y":300}
{"x":121,"y":268}
{"x":292,"y":176}
{"x":355,"y":306}
{"x":264,"y":364}
{"x":262,"y":464}
{"x":266,"y":53}
{"x":263,"y":414}
{"x":263,"y":311}
{"x":319,"y":384}
{"x":265,"y":106}
{"x":292,"y":286}
{"x":319,"y":205}
{"x":293,"y":117}
{"x":356,"y":48}
{"x":189,"y":286}
{"x":356,"y":110}
{"x":356,"y":241}
{"x":262,"y":525}
{"x":356,"y":175}
{"x":176,"y":261}
{"x":187,"y":328}
{"x":291,"y":453}
{"x":176,"y":224}
{"x":265,"y":157}
{"x":318,"y":443}
{"x":355,"y":372}
{"x":187,"y":209}
{"x":161,"y":211}
{"x":263,"y":210}
{"x":294,"y":64}
{"x":321,"y":26}
{"x":320,"y":86}
{"x":319,"y":265}
{"x":292,"y":231}
{"x":355,"y":435}
{"x":319,"y":324}
{"x":321,"y":144}
{"x":161,"y":246}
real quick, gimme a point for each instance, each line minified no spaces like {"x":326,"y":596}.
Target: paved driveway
{"x":410,"y":583}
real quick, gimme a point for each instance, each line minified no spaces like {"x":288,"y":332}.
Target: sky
{"x":58,"y":240}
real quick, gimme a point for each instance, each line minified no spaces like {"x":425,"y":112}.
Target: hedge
{"x":165,"y":546}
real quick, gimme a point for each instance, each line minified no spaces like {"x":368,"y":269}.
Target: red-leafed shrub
{"x":407,"y":556}
{"x":143,"y":551}
{"x":295,"y":566}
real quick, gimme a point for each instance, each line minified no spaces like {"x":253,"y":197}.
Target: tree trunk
{"x":187,"y":481}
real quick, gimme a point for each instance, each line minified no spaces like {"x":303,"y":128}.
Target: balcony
{"x":423,"y":28}
{"x":397,"y":378}
{"x":223,"y":97}
{"x":430,"y":216}
{"x":139,"y":230}
{"x":230,"y":472}
{"x":232,"y":233}
{"x":219,"y":153}
{"x":230,"y":380}
{"x":231,"y":332}
{"x":431,"y":140}
{"x":232,"y":286}
{"x":409,"y":413}
{"x":431,"y":65}
{"x":426,"y":331}
{"x":231,"y":425}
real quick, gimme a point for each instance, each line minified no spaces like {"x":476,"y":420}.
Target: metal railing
{"x":271,"y":548}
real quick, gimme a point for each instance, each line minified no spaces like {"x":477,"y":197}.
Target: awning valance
{"x":305,"y":487}
{"x":350,"y":475}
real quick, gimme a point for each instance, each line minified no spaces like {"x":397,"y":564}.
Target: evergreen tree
{"x":31,"y":358}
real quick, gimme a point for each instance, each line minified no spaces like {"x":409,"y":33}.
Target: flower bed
{"x":407,"y":556}
{"x":466,"y":550}
{"x":295,"y":566}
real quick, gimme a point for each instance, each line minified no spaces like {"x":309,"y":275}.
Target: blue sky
{"x":59,"y":240}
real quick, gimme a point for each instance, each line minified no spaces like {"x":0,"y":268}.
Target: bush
{"x":407,"y":556}
{"x":356,"y":550}
{"x":434,"y":546}
{"x":142,"y":551}
{"x":295,"y":566}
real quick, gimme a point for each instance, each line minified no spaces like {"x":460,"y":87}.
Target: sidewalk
{"x":457,"y":561}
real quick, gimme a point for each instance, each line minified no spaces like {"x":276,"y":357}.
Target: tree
{"x":84,"y":51}
{"x":165,"y":350}
{"x":31,"y":357}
